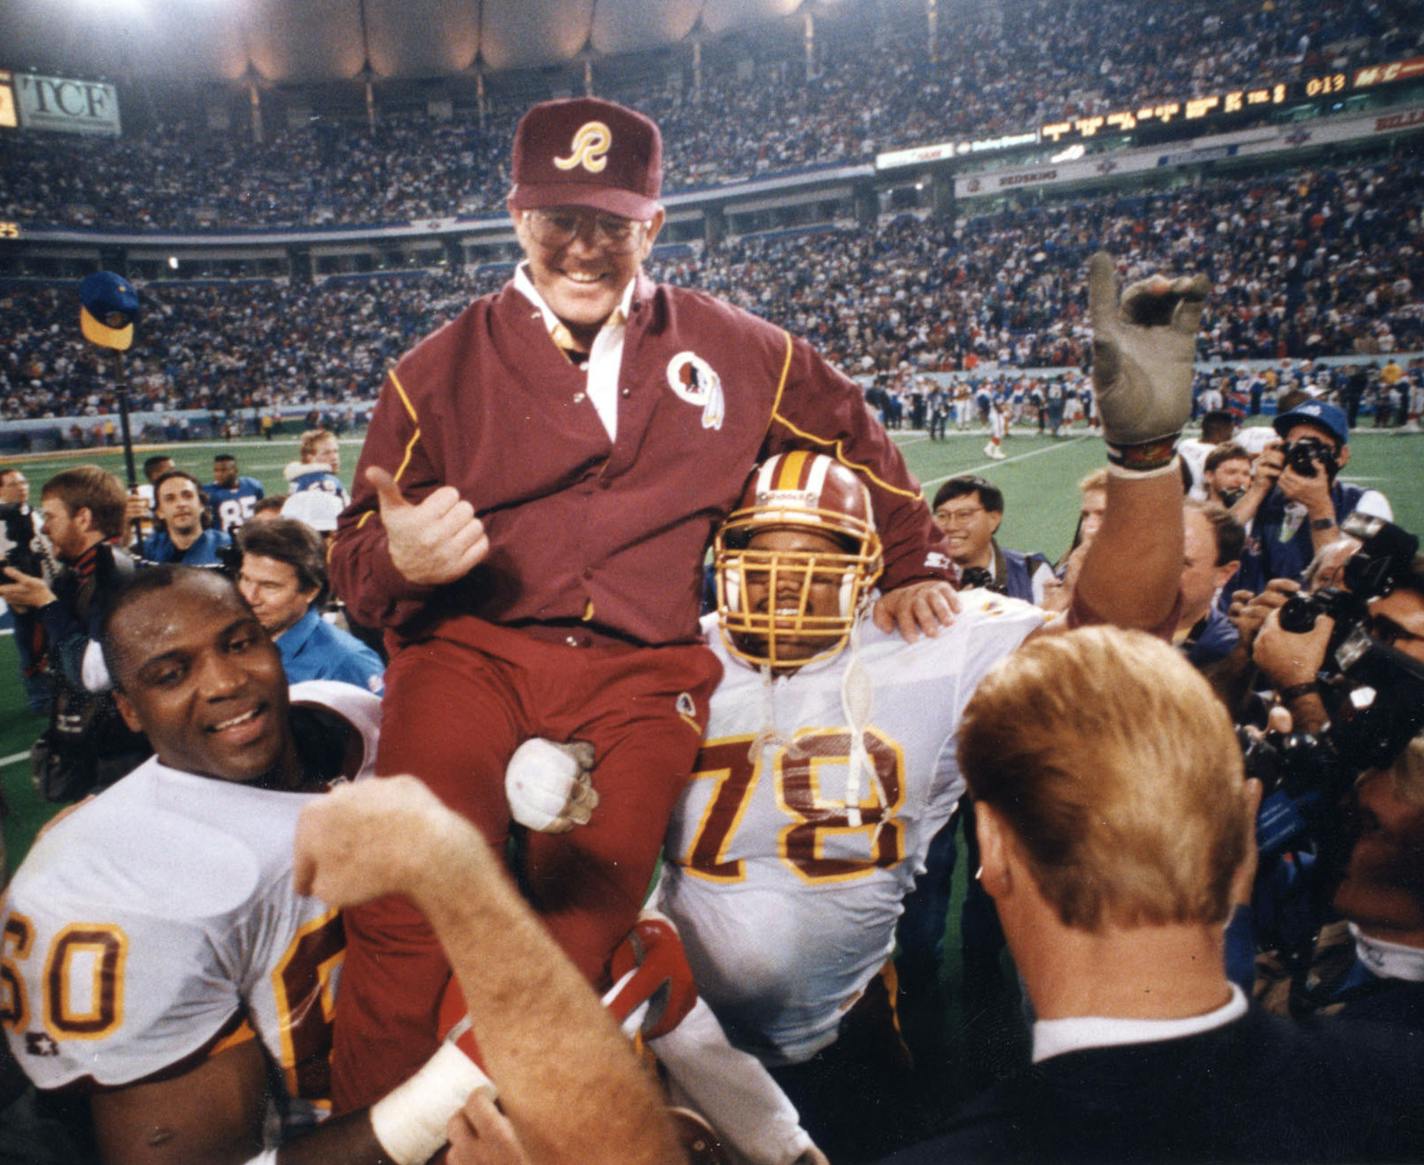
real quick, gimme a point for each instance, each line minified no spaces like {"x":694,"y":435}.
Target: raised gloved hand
{"x":549,"y":786}
{"x":1143,"y":348}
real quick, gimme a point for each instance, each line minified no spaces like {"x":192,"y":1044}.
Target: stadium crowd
{"x":1001,"y":68}
{"x":1319,"y":261}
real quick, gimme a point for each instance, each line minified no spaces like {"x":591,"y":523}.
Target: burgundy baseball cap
{"x":587,"y":152}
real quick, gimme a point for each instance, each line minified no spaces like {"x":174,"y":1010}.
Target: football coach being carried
{"x":540,"y":481}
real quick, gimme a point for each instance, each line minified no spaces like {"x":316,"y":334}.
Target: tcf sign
{"x":63,"y":104}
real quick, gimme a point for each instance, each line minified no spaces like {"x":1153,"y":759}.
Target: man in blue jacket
{"x":181,"y":537}
{"x":1296,"y":502}
{"x":283,"y":578}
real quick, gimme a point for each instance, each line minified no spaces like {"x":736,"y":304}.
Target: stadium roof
{"x":299,"y":41}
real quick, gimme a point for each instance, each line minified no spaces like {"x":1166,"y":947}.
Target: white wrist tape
{"x":410,"y":1121}
{"x":267,"y":1158}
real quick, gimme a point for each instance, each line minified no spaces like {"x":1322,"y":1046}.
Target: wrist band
{"x":1296,"y":691}
{"x":1322,"y":523}
{"x":409,"y":1121}
{"x":1146,"y":459}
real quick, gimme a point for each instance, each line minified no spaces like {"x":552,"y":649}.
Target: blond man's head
{"x":1117,"y":772}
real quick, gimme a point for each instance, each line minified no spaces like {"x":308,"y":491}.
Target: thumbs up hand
{"x":435,"y":542}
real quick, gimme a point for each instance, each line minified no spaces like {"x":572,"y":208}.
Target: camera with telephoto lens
{"x":1306,"y":455}
{"x":1373,"y":695}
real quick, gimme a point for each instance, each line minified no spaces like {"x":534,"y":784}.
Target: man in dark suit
{"x":1115,"y":829}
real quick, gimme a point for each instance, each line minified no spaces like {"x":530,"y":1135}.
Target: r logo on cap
{"x":589,"y":148}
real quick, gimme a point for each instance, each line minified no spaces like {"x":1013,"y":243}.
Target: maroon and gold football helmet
{"x":795,"y":562}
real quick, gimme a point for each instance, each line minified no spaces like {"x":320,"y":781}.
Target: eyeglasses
{"x":961,"y":515}
{"x":559,"y":228}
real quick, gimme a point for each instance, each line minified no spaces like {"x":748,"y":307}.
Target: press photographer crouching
{"x":86,"y":745}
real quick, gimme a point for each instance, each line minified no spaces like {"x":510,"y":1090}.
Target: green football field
{"x":1037,"y":477}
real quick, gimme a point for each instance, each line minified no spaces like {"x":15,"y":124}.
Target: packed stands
{"x":999,"y":68}
{"x":1309,"y":262}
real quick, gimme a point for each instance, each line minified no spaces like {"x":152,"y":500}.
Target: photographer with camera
{"x":1296,"y":502}
{"x":1347,"y":663}
{"x":1301,"y":647}
{"x":24,"y":548}
{"x":86,"y":745}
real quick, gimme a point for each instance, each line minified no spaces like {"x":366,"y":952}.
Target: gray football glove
{"x":1143,"y":348}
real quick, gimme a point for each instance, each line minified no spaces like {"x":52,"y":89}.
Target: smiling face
{"x":969,"y":528}
{"x":582,"y":280}
{"x":196,"y":673}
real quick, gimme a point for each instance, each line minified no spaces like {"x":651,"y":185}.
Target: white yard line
{"x":1010,"y":460}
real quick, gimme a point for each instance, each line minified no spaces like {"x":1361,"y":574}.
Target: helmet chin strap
{"x":770,"y":736}
{"x":857,"y":698}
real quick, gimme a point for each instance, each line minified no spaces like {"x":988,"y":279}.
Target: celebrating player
{"x":538,"y":485}
{"x":159,"y":957}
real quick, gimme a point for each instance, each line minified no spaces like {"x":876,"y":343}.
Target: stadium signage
{"x":1163,"y":112}
{"x":1399,"y":120}
{"x":1260,"y":141}
{"x":938,"y":153}
{"x":1366,"y":77}
{"x":1032,"y":178}
{"x":67,"y":105}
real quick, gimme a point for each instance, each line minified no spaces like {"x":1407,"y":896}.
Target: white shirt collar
{"x":558,"y":332}
{"x":1387,"y":959}
{"x":1054,"y":1037}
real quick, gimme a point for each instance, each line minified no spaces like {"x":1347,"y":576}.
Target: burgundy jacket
{"x":612,"y":534}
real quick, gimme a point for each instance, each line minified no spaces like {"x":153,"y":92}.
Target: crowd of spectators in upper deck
{"x":1306,"y":263}
{"x":998,"y":68}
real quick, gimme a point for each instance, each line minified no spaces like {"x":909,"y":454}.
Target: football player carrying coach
{"x":539,"y":483}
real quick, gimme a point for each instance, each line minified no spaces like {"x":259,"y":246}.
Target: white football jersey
{"x":786,"y":904}
{"x":156,"y":924}
{"x":1195,"y":453}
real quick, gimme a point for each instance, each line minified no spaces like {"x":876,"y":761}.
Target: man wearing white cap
{"x":540,"y":480}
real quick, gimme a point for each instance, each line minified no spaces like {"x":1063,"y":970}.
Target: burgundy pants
{"x":455,"y":708}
